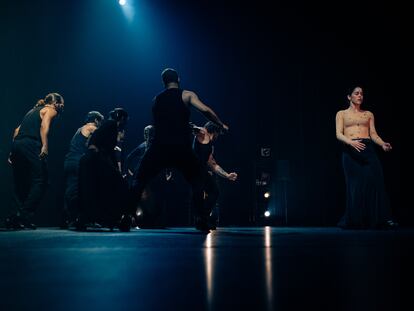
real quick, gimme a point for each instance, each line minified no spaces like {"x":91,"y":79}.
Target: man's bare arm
{"x":194,"y":101}
{"x":47,"y":118}
{"x":216,"y":168}
{"x":219,"y":170}
{"x":16,"y":132}
{"x":88,"y":129}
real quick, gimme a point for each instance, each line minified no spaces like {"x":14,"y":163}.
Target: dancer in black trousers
{"x":171,"y":147}
{"x":204,"y":148}
{"x":103,"y":193}
{"x":78,"y":147}
{"x":28,"y":159}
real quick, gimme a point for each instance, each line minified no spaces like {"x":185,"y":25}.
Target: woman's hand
{"x":357,"y":145}
{"x":386,"y":147}
{"x":43,"y":152}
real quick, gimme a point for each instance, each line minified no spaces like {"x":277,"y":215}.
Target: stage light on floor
{"x":122,"y":2}
{"x":266,"y":194}
{"x":267,"y":214}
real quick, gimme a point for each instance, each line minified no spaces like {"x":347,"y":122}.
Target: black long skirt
{"x":367,"y":204}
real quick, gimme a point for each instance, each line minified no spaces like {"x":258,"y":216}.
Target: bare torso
{"x":356,"y":124}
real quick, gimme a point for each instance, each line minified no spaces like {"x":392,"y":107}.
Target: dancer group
{"x":100,"y":192}
{"x":97,"y":191}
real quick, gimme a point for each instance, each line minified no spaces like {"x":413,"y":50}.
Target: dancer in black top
{"x":134,"y":158}
{"x":103,"y":193}
{"x":154,"y":196}
{"x":78,"y":147}
{"x":28,"y":159}
{"x":171,"y":147}
{"x":204,"y":148}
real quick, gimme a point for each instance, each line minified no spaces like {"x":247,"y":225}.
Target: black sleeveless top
{"x":105,"y":137}
{"x":203,"y":151}
{"x":30,"y":126}
{"x":77,"y":146}
{"x":171,"y":119}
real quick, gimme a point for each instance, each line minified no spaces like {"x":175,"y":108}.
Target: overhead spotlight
{"x":122,"y":2}
{"x":266,"y":194}
{"x":267,"y":214}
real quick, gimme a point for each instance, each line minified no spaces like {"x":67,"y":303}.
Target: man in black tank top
{"x":204,"y":149}
{"x":28,"y":159}
{"x":171,"y":147}
{"x":78,"y":147}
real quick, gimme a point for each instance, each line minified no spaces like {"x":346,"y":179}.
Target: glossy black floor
{"x":265,"y":268}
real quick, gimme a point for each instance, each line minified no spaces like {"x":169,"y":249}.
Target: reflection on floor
{"x":255,"y":268}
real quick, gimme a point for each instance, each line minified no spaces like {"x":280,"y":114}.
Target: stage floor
{"x":254,"y":268}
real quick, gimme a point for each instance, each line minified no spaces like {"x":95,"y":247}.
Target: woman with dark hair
{"x":103,"y":193}
{"x":78,"y":147}
{"x":367,"y":204}
{"x":28,"y":159}
{"x":203,"y":147}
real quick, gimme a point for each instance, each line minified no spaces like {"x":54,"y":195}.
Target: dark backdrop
{"x":275,"y":73}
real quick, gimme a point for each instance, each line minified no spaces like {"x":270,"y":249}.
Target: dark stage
{"x":296,"y":82}
{"x":233,"y":268}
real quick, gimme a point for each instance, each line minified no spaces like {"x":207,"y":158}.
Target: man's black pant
{"x":181,"y":157}
{"x":211,"y":194}
{"x":30,"y":175}
{"x":71,"y":205}
{"x":103,"y":193}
